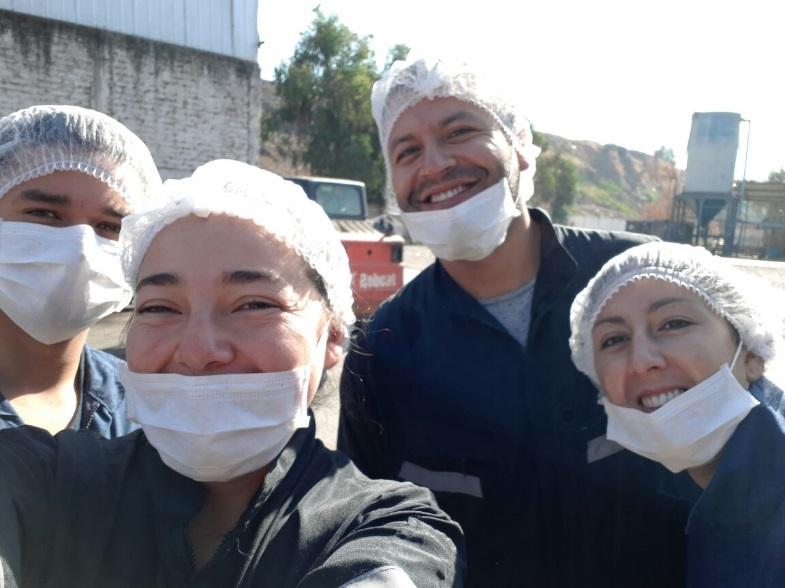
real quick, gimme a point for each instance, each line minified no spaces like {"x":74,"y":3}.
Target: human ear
{"x":523,"y":165}
{"x":334,"y":348}
{"x":753,"y":367}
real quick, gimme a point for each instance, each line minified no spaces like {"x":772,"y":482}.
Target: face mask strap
{"x":736,"y":355}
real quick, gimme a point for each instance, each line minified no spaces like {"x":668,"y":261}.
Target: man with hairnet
{"x":68,"y":175}
{"x":463,"y":382}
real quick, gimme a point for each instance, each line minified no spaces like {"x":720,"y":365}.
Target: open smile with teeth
{"x":442,"y":196}
{"x":657,"y":400}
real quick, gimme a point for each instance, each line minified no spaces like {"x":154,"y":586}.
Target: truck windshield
{"x":340,"y":200}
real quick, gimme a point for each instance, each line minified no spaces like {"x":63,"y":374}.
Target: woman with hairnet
{"x":243,"y":299}
{"x":67,"y":177}
{"x":676,"y":342}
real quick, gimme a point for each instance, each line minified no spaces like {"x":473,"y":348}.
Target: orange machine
{"x":375,"y":258}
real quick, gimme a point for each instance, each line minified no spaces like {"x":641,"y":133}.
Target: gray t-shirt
{"x":513,"y":310}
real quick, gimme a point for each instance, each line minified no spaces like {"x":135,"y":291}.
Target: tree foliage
{"x":777,"y":176}
{"x":324,"y":118}
{"x":555,"y":183}
{"x":666,"y":154}
{"x":325,"y":104}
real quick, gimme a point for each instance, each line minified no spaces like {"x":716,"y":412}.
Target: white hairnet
{"x":736,"y":297}
{"x":408,"y":82}
{"x":243,"y":191}
{"x":40,"y":140}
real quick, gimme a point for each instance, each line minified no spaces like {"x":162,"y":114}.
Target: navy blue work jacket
{"x":736,"y":531}
{"x":78,"y":511}
{"x":436,"y":391}
{"x":101,"y":405}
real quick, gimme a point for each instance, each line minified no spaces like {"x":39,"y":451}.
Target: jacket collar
{"x":557,"y":269}
{"x":97,"y":378}
{"x":179,"y":498}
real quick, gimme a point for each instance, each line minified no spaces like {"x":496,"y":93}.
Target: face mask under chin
{"x":689,"y":430}
{"x":469,"y":231}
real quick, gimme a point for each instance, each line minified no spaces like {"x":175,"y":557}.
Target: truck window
{"x":340,"y":200}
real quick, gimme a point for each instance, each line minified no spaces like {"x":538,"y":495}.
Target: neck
{"x":224,"y":504}
{"x":702,"y":475}
{"x":39,"y":380}
{"x":513,"y":264}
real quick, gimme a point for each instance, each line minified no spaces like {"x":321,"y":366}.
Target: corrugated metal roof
{"x":227,"y":27}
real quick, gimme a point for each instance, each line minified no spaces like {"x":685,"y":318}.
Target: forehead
{"x":211,"y":246}
{"x":648,"y":294}
{"x":429,"y":114}
{"x":79,"y":190}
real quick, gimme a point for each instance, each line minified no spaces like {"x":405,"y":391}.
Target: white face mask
{"x":469,"y":231}
{"x":688,"y":431}
{"x":215,"y":428}
{"x":56,"y":282}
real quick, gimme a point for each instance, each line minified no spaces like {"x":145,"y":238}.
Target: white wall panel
{"x":227,"y":27}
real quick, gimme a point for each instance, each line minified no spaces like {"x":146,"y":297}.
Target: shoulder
{"x":582,"y":252}
{"x":769,"y":394}
{"x":411,"y":297}
{"x":26,"y":445}
{"x":597,"y":246}
{"x":29,"y":452}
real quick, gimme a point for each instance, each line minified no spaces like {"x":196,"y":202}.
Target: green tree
{"x":777,"y":176}
{"x":324,"y":93}
{"x":555,"y":183}
{"x":399,"y":52}
{"x":666,"y":154}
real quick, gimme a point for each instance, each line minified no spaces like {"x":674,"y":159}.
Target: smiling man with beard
{"x":463,"y":382}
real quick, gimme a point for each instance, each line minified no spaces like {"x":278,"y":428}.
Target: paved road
{"x":108,"y":334}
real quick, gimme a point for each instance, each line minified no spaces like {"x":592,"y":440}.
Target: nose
{"x":436,"y":159}
{"x":202,"y":347}
{"x":645,"y":354}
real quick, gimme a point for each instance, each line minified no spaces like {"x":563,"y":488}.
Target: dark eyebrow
{"x":162,"y":279}
{"x":249,"y":276}
{"x":399,"y":140}
{"x":34,"y":195}
{"x":617,"y":320}
{"x":455,"y":116}
{"x":666,"y":301}
{"x":45,"y":198}
{"x":460,"y":115}
{"x":613,"y":320}
{"x":119,"y":214}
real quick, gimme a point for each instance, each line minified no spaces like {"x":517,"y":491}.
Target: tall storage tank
{"x":711,"y":152}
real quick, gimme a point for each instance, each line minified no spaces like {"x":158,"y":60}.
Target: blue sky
{"x":611,"y":71}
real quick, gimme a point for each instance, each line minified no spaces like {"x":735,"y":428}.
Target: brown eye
{"x":43,"y":213}
{"x":675,"y":323}
{"x":612,"y":341}
{"x":154,"y":309}
{"x":255,"y":305}
{"x":407,"y":153}
{"x":111,"y":228}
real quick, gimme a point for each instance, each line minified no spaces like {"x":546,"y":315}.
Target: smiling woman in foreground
{"x":243,"y":299}
{"x":676,"y":340}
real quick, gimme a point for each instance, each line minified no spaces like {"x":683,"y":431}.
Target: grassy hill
{"x":618,"y":183}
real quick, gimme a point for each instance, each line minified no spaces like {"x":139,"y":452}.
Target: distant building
{"x":182,"y":74}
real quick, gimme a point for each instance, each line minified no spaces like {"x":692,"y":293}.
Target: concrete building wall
{"x":220,"y":26}
{"x":189,"y":106}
